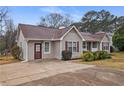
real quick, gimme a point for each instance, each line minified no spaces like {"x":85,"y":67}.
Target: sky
{"x":32,"y":14}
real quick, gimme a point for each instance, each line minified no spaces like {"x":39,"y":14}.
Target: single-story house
{"x":43,"y":42}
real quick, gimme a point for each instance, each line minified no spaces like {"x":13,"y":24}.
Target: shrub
{"x":66,"y":55}
{"x":104,"y":55}
{"x":88,"y":56}
{"x":85,"y":51}
{"x":82,"y":55}
{"x":96,"y":55}
{"x":16,"y":51}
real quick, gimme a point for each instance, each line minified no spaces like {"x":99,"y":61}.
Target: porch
{"x":95,"y":46}
{"x":91,"y":46}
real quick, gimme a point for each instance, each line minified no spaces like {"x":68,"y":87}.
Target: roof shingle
{"x":92,"y":37}
{"x":37,"y":32}
{"x":31,"y":31}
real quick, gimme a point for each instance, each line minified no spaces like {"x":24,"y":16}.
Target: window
{"x":84,"y":44}
{"x":47,"y":47}
{"x":69,"y":46}
{"x":105,"y":46}
{"x":72,"y":46}
{"x":38,"y":47}
{"x":94,"y":44}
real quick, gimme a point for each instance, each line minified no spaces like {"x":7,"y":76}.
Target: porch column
{"x":98,"y":45}
{"x":91,"y":46}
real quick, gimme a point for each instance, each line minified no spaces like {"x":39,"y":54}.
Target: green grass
{"x":117,"y":61}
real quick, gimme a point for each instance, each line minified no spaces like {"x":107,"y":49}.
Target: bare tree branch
{"x":3,"y":18}
{"x":55,"y":20}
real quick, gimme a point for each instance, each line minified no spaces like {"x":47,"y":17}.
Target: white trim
{"x":70,"y":30}
{"x":105,"y":41}
{"x":72,"y":46}
{"x":104,"y":37}
{"x":84,"y":49}
{"x":49,"y":47}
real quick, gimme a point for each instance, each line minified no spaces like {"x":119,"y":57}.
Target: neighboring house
{"x":42,"y":42}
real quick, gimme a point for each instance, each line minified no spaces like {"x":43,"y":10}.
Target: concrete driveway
{"x":19,"y":73}
{"x":94,"y":76}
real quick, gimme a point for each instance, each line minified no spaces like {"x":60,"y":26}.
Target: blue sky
{"x":32,"y":14}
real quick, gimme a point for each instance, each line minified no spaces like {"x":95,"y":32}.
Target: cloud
{"x":52,"y":9}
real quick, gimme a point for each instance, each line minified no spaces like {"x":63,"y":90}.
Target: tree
{"x":120,"y":22}
{"x":2,"y":45}
{"x":94,"y":21}
{"x":10,"y":35}
{"x":106,"y":21}
{"x":55,"y":20}
{"x":16,"y":52}
{"x":3,"y":18}
{"x":90,"y":22}
{"x":118,"y":39}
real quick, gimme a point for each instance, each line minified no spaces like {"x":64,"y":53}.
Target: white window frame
{"x":93,"y":44}
{"x":84,"y":45}
{"x":72,"y":46}
{"x":69,"y":46}
{"x":49,"y":47}
{"x":105,"y":45}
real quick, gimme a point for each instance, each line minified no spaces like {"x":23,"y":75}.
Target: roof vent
{"x":100,"y":32}
{"x":61,"y":27}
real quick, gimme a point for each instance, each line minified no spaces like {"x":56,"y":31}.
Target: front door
{"x":37,"y":51}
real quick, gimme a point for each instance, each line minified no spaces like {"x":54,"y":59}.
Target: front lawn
{"x":117,"y":61}
{"x":7,"y":60}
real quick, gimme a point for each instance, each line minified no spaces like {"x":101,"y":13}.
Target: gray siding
{"x":22,"y":43}
{"x":73,"y":36}
{"x":44,"y":55}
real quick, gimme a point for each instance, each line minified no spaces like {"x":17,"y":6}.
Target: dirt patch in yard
{"x":7,"y":60}
{"x":91,"y":76}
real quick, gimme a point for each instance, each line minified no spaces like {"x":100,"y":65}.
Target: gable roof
{"x":78,"y":32}
{"x":36,"y":32}
{"x":46,"y":33}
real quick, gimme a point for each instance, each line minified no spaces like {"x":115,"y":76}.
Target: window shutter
{"x":78,"y":46}
{"x":66,"y":45}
